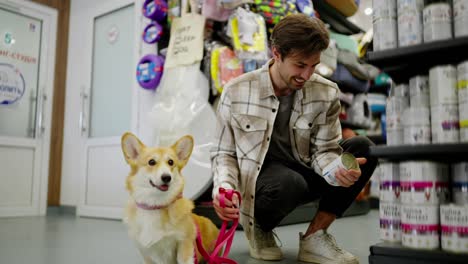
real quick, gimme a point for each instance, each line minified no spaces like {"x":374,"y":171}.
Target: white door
{"x":27,"y":57}
{"x":108,"y":107}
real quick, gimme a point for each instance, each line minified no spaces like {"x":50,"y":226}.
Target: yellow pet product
{"x":346,"y":161}
{"x":248,"y":33}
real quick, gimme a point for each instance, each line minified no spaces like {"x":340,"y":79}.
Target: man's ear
{"x":131,"y":147}
{"x":276,"y":53}
{"x":183,"y":148}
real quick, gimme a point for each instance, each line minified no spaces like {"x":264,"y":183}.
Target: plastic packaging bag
{"x":181,"y":107}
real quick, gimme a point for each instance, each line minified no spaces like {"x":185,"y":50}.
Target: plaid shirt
{"x":246,"y":114}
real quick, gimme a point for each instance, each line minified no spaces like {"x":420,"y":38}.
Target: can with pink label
{"x":390,"y":222}
{"x":389,"y":182}
{"x":454,"y":228}
{"x":424,"y":183}
{"x":420,"y":226}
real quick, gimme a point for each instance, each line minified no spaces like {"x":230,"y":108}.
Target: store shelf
{"x":405,"y":62}
{"x":436,"y":152}
{"x":337,"y":21}
{"x":347,"y":124}
{"x":390,"y":253}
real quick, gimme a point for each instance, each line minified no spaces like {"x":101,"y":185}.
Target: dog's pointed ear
{"x":131,"y":147}
{"x":183,"y":148}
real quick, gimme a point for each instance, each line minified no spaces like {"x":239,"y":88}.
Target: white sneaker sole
{"x":312,"y":258}
{"x":265,"y":256}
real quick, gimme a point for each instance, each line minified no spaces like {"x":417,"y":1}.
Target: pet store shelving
{"x":401,"y":64}
{"x":405,"y":62}
{"x":436,"y":152}
{"x":391,"y":253}
{"x":337,"y":21}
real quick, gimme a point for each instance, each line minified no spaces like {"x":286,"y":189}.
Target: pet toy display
{"x":149,"y":71}
{"x":155,"y":9}
{"x":152,"y":32}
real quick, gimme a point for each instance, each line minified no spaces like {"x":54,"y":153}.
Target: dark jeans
{"x":280,"y":188}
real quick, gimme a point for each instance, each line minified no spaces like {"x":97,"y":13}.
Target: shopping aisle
{"x":60,"y":239}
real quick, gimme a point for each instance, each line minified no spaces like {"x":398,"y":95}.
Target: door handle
{"x":83,"y":115}
{"x":40,"y":120}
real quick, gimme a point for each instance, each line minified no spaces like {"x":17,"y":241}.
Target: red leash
{"x":225,"y":236}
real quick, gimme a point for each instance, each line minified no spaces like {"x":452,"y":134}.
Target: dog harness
{"x":225,"y":236}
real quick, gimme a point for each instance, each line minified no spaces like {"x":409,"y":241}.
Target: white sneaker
{"x":264,"y":246}
{"x":321,"y":247}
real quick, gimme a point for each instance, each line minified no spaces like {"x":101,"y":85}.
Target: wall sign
{"x":12,"y":84}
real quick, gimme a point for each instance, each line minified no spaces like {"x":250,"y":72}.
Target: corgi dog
{"x":158,"y":218}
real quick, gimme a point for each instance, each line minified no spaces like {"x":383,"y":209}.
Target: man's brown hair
{"x":299,"y":34}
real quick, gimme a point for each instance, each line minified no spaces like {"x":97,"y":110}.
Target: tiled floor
{"x":59,"y":238}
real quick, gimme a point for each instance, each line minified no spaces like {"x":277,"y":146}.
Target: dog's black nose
{"x":166,"y":178}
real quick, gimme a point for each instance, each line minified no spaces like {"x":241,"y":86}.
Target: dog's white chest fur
{"x":156,"y":238}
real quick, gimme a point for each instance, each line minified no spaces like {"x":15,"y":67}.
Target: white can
{"x":460,"y":17}
{"x":462,"y":82}
{"x":416,"y":126}
{"x":437,"y":22}
{"x":385,"y":33}
{"x":394,"y":137}
{"x":419,"y":91}
{"x":420,"y":226}
{"x":445,"y":125}
{"x":463,"y":111}
{"x":460,"y":183}
{"x":345,"y":161}
{"x":400,"y":90}
{"x":390,"y":221}
{"x":443,"y":85}
{"x":389,"y":182}
{"x":454,"y":228}
{"x":410,"y":25}
{"x":383,"y":9}
{"x":424,"y":182}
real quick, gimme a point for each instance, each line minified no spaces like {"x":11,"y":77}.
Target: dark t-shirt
{"x":280,"y":145}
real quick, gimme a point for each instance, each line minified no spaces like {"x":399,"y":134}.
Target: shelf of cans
{"x":430,"y":108}
{"x":411,"y":36}
{"x":424,"y":205}
{"x":401,"y":23}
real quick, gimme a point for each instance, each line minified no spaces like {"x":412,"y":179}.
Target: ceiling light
{"x":368,"y":11}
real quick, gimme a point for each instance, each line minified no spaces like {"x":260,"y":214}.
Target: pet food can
{"x":437,"y":22}
{"x":410,"y":24}
{"x":420,"y":226}
{"x":390,"y":222}
{"x":462,"y":87}
{"x":419,"y":91}
{"x":416,"y":126}
{"x":454,"y":228}
{"x":445,"y":125}
{"x":443,"y":85}
{"x":385,"y":33}
{"x":384,"y":20}
{"x":389,"y":182}
{"x":424,"y":183}
{"x":460,"y":17}
{"x":345,"y":161}
{"x":384,"y":8}
{"x":460,"y":183}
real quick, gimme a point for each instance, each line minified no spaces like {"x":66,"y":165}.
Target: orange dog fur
{"x":159,"y":220}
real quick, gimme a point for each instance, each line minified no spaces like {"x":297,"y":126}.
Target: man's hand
{"x":347,"y":178}
{"x":231,"y":209}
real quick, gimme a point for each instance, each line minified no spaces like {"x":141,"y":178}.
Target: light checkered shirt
{"x":246,"y":114}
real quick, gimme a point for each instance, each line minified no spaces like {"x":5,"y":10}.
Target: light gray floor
{"x":58,"y":238}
